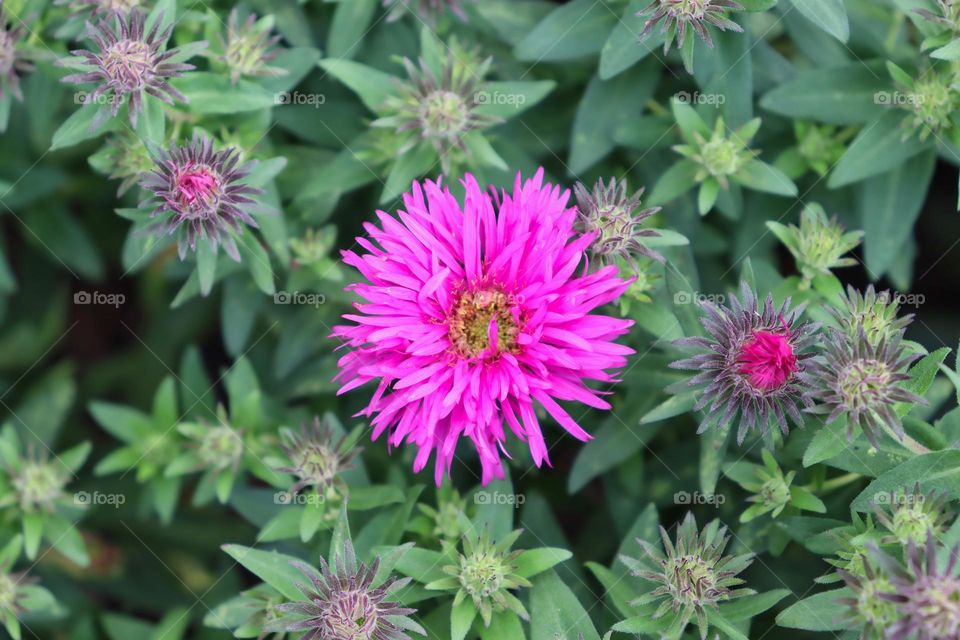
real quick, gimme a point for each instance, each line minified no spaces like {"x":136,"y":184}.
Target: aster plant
{"x":875,"y":313}
{"x":484,"y":575}
{"x":438,"y":106}
{"x":819,"y":244}
{"x":750,"y":373}
{"x":483,"y":302}
{"x":34,"y":497}
{"x":718,"y":160}
{"x":681,"y":16}
{"x":690,"y":577}
{"x":20,"y":595}
{"x":772,"y":489}
{"x":926,"y":591}
{"x":130,"y":63}
{"x":616,"y":221}
{"x":910,"y":516}
{"x":201,"y":194}
{"x":344,"y":604}
{"x":861,"y":380}
{"x":249,"y":47}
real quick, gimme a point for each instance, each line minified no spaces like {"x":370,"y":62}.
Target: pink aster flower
{"x":475,"y":314}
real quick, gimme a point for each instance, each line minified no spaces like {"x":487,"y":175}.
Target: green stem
{"x":906,"y":441}
{"x":834,"y":483}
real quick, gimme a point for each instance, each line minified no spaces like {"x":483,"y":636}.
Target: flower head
{"x":874,"y":313}
{"x":316,"y":459}
{"x":428,"y":10}
{"x":615,"y":220}
{"x":249,"y":48}
{"x":486,"y":573}
{"x":129,"y":63}
{"x":819,"y":244}
{"x":344,"y":604}
{"x":680,"y":15}
{"x":927,"y":596}
{"x":869,"y":607}
{"x":722,"y":155}
{"x":13,"y":62}
{"x":439,"y":109}
{"x":913,"y":515}
{"x":821,"y":146}
{"x":202,"y":194}
{"x":473,"y":314}
{"x":38,"y":483}
{"x":692,"y":574}
{"x":753,"y":363}
{"x":862,"y":380}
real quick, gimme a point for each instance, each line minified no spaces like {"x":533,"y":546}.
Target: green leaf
{"x":349,"y":25}
{"x":571,"y":31}
{"x":878,"y":148}
{"x":212,"y":93}
{"x":828,"y":441}
{"x":820,"y":612}
{"x":752,"y":605}
{"x":461,"y":619}
{"x":717,"y":621}
{"x":889,"y":206}
{"x":509,"y":99}
{"x":761,"y":176}
{"x":535,"y":561}
{"x":272,"y":567}
{"x":829,"y":15}
{"x":624,"y":48}
{"x":77,"y":127}
{"x":937,"y":471}
{"x":407,"y":168}
{"x":837,"y":95}
{"x":556,"y":613}
{"x":674,"y":182}
{"x":255,"y":257}
{"x":370,"y":85}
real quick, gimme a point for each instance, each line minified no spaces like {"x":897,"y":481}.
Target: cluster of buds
{"x":679,"y":16}
{"x":917,"y":598}
{"x":249,"y":47}
{"x":759,"y":363}
{"x":819,"y":244}
{"x":439,"y":106}
{"x":692,"y":574}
